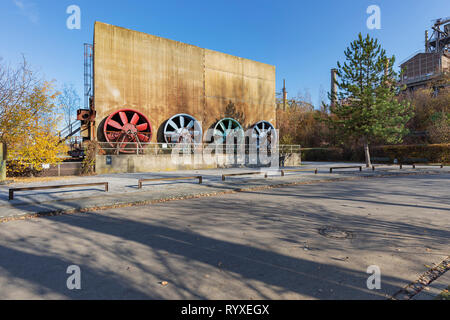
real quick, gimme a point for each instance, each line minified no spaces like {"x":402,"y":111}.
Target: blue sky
{"x":303,"y":39}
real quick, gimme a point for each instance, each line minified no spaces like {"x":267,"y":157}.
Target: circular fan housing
{"x":127,"y":129}
{"x":264,"y":129}
{"x":183,"y":128}
{"x":225,"y":127}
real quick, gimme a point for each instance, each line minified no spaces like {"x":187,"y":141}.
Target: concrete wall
{"x":142,"y":163}
{"x":162,"y":162}
{"x":161,"y":78}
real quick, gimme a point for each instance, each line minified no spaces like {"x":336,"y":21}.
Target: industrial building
{"x":149,"y":89}
{"x":141,"y":89}
{"x":423,"y":68}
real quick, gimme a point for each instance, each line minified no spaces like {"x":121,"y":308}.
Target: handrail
{"x":12,"y":190}
{"x":242,"y":174}
{"x":200,"y":180}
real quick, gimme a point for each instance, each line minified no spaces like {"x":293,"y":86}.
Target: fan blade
{"x":114,"y":124}
{"x":123,"y":117}
{"x":173,"y":124}
{"x":190,"y":125}
{"x":223,"y":127}
{"x":181,"y":122}
{"x":135,"y":119}
{"x":230,"y":123}
{"x":142,"y":138}
{"x":142,"y":127}
{"x":263,"y":125}
{"x":257,"y":129}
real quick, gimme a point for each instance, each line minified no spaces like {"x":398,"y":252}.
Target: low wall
{"x":163,"y":162}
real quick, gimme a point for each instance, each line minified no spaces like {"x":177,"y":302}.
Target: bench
{"x":421,"y":161}
{"x":297,"y":170}
{"x":12,"y":190}
{"x":346,"y":167}
{"x":241,"y":174}
{"x":140,"y":181}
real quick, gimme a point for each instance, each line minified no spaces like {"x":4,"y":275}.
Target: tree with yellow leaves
{"x":28,"y":119}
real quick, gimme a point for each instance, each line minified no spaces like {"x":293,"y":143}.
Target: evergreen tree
{"x":365,"y":107}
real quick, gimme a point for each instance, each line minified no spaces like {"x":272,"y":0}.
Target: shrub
{"x":322,"y":154}
{"x":433,"y":152}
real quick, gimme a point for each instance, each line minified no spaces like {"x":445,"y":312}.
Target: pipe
{"x":333,"y":87}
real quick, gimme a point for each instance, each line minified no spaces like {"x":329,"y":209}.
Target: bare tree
{"x":69,"y":102}
{"x":16,"y":85}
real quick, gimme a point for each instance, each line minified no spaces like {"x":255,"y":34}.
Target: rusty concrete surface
{"x":161,"y":77}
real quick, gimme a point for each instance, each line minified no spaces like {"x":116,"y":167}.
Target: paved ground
{"x":435,"y":289}
{"x":124,"y":191}
{"x":124,"y":183}
{"x":250,"y":245}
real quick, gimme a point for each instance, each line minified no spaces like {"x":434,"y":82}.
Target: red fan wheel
{"x":127,"y":129}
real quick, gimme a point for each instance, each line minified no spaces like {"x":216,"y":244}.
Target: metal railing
{"x":243,"y":174}
{"x":76,"y":185}
{"x":166,"y":148}
{"x":141,"y":181}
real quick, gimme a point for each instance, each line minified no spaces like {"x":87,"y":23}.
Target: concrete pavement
{"x":262,"y":244}
{"x":124,"y":191}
